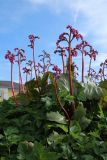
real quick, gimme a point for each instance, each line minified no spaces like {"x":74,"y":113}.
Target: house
{"x":6,"y":91}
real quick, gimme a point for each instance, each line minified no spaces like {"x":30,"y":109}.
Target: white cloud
{"x":89,"y":15}
{"x":92,"y":13}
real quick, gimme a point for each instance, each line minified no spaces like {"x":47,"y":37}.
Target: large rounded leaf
{"x":92,"y":91}
{"x":56,"y":117}
{"x":63,"y":85}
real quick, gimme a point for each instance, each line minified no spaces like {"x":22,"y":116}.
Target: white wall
{"x":4,"y":93}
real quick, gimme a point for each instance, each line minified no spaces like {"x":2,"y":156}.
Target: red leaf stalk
{"x":58,"y":100}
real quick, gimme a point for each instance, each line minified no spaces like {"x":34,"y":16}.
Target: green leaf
{"x":63,"y":82}
{"x":84,"y":122}
{"x":11,"y":135}
{"x":105,"y":98}
{"x":24,"y":151}
{"x":92,"y":91}
{"x":80,"y":112}
{"x":69,"y":98}
{"x":87,"y":157}
{"x":104,"y":156}
{"x":56,"y":117}
{"x":64,"y":127}
{"x":80,"y":116}
{"x":55,"y":138}
{"x":95,"y":134}
{"x":101,"y":111}
{"x":40,"y":153}
{"x":47,"y":100}
{"x":11,"y":130}
{"x":1,"y":136}
{"x":63,"y":85}
{"x":75,"y":129}
{"x":103,"y":84}
{"x":81,"y":96}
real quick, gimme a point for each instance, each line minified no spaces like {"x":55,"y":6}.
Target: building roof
{"x":7,"y":84}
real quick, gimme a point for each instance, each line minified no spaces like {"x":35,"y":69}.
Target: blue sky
{"x":49,"y":18}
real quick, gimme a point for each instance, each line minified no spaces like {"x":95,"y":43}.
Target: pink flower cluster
{"x":93,"y":54}
{"x":57,"y":71}
{"x":26,"y":70}
{"x":74,"y":32}
{"x":19,"y":54}
{"x":10,"y":56}
{"x":32,"y":40}
{"x":92,"y":73}
{"x":45,"y":62}
{"x":29,"y":63}
{"x":105,"y":63}
{"x":61,"y":51}
{"x":19,"y":51}
{"x":82,"y":45}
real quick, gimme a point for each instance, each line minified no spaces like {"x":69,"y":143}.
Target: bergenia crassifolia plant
{"x":39,"y":68}
{"x":75,"y":70}
{"x":20,"y":58}
{"x":68,"y":37}
{"x":102,"y":73}
{"x":57,"y":71}
{"x":61,"y":52}
{"x":32,"y":39}
{"x":84,"y":48}
{"x":93,"y":74}
{"x":11,"y":57}
{"x":30,"y":64}
{"x":45,"y":62}
{"x":92,"y":55}
{"x":27,"y":72}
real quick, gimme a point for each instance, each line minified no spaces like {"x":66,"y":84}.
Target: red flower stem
{"x":38,"y":71}
{"x":12,"y":84}
{"x":26,"y":77}
{"x":82,"y":66}
{"x":63,"y":62}
{"x":31,"y":74}
{"x":27,"y":85}
{"x":21,"y":76}
{"x":70,"y":65}
{"x":90,"y":65}
{"x":43,"y":65}
{"x":34,"y":63}
{"x":36,"y":77}
{"x":47,"y":68}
